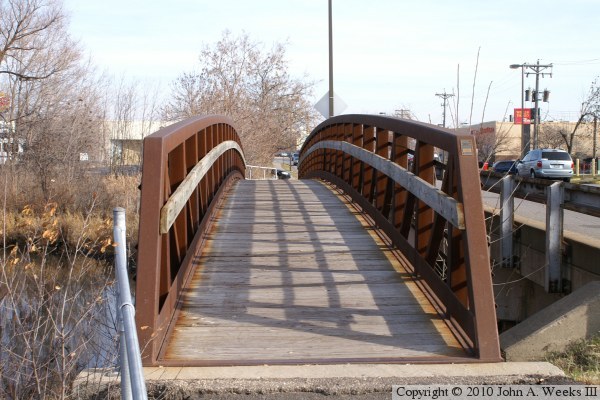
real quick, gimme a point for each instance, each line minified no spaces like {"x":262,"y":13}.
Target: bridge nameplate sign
{"x":466,"y":147}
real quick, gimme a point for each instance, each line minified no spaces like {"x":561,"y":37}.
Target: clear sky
{"x":388,"y":54}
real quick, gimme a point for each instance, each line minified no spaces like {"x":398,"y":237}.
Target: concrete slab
{"x":356,"y":371}
{"x":343,"y":381}
{"x":153,"y":372}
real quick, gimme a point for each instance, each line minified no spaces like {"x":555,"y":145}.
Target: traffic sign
{"x":322,"y":105}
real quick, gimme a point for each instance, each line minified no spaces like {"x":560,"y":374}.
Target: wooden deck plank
{"x":289,"y":271}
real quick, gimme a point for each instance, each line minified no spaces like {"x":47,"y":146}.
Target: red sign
{"x":522,"y":116}
{"x":4,"y":102}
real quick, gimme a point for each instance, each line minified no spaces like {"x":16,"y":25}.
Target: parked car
{"x":295,"y":158}
{"x":505,"y":167}
{"x":281,"y":174}
{"x":546,"y":163}
{"x":282,"y":154}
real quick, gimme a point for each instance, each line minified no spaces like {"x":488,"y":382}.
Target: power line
{"x":579,"y":62}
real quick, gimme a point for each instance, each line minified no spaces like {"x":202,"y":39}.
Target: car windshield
{"x":556,"y":155}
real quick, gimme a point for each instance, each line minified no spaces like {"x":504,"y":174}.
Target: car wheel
{"x":567,"y":180}
{"x":532,"y":174}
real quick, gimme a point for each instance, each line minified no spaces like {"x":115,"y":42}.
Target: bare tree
{"x":552,"y":136}
{"x":590,"y":110}
{"x":239,"y":79}
{"x":132,"y":113}
{"x":60,"y":126}
{"x":489,"y":142}
{"x":55,"y":111}
{"x":31,"y":33}
{"x":56,"y":320}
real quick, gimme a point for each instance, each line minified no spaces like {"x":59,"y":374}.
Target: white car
{"x":546,"y":163}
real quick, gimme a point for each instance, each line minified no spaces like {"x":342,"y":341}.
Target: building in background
{"x":10,"y":149}
{"x":126,"y":140}
{"x":498,"y":141}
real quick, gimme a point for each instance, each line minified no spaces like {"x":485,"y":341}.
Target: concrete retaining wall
{"x":519,"y":292}
{"x":573,"y":317}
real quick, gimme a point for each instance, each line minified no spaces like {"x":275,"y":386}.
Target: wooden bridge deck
{"x":292,"y":273}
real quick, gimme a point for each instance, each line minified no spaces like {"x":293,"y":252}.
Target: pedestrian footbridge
{"x":361,"y":260}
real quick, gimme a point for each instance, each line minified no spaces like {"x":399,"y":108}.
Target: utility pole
{"x":537,"y":70}
{"x":444,"y":96}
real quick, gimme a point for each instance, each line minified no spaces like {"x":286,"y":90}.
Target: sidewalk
{"x":356,"y":381}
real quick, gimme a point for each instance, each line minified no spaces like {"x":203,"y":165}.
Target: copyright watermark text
{"x":472,"y":392}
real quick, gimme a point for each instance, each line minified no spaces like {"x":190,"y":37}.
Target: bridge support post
{"x":554,"y":236}
{"x":507,"y":201}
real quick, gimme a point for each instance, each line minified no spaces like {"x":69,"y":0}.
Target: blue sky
{"x":388,"y":54}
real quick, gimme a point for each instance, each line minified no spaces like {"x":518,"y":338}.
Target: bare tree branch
{"x":253,"y":86}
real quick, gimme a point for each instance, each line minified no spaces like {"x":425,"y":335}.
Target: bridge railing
{"x":387,"y":165}
{"x":186,"y":167}
{"x":557,"y":197}
{"x":256,"y":172}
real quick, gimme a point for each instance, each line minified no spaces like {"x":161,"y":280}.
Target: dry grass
{"x":55,"y":291}
{"x":56,"y":280}
{"x":581,"y":360}
{"x":92,"y":203}
{"x":586,"y":179}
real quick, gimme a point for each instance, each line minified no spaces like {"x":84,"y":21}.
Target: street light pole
{"x":330,"y":63}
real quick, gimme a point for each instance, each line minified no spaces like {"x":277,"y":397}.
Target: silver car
{"x":546,"y":163}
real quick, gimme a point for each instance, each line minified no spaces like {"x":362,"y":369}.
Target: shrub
{"x":57,"y":300}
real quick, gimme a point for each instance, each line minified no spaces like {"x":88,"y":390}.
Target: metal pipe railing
{"x":272,"y":172}
{"x":133,"y":385}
